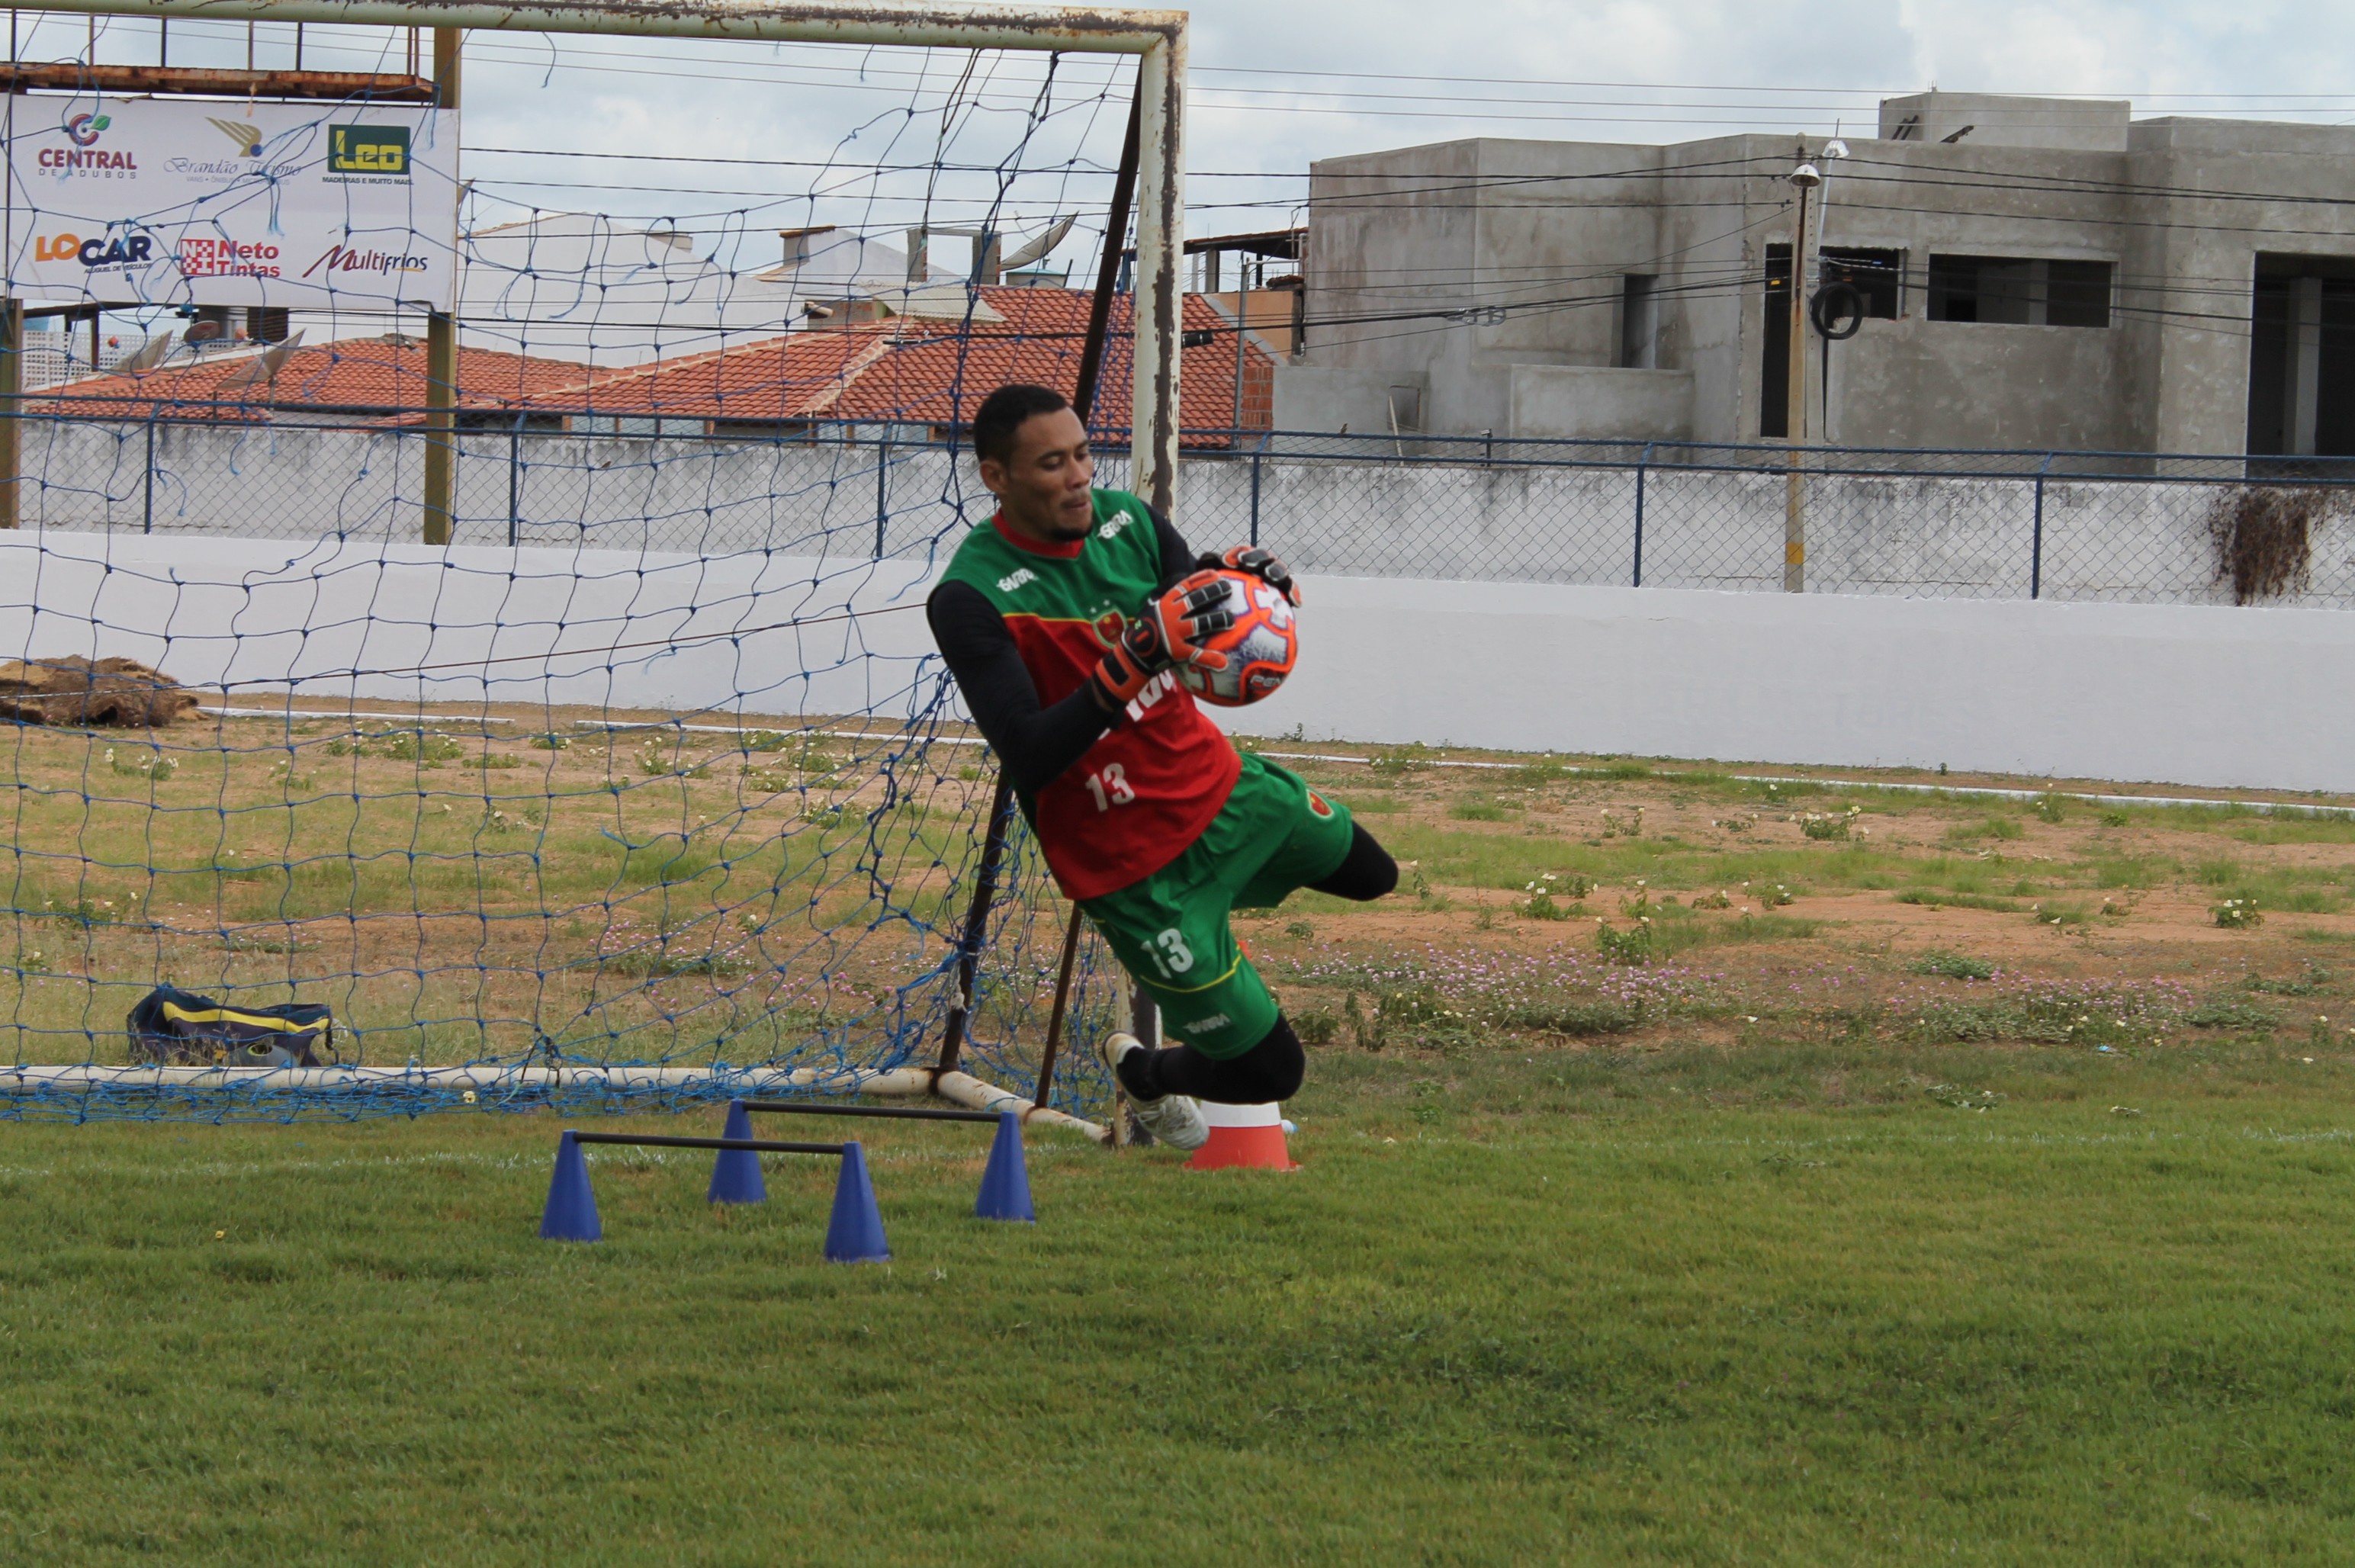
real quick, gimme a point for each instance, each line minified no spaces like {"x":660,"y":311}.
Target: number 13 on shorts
{"x":1169,"y":953}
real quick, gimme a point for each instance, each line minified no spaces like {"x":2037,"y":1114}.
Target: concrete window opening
{"x":2019,"y":290}
{"x":2302,"y":357}
{"x":1405,"y":409}
{"x":1639,"y":322}
{"x":1774,"y":348}
{"x":1878,"y":275}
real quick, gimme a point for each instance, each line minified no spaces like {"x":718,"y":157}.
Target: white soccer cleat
{"x":1172,"y":1119}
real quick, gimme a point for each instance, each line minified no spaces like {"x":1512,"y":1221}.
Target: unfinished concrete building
{"x":2040,"y":274}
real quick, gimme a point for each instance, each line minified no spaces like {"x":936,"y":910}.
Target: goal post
{"x":639,"y":782}
{"x":1158,"y":38}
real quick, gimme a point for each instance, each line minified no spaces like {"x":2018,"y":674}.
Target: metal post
{"x":147,"y":519}
{"x":1255,"y":461}
{"x":2036,"y":535}
{"x":1123,"y":192}
{"x":1123,"y":31}
{"x":1160,"y":241}
{"x":12,"y":387}
{"x":1243,"y":305}
{"x":976,"y":919}
{"x":882,"y":486}
{"x":515,"y":483}
{"x":1642,"y":463}
{"x":1062,"y":1006}
{"x":442,"y":346}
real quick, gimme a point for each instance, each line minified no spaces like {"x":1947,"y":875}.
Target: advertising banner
{"x":181,"y":201}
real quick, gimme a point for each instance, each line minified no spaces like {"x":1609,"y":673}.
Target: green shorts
{"x":1170,"y":931}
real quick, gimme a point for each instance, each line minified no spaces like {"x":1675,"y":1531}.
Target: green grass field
{"x":1696,"y":1171}
{"x":1805,"y":1301}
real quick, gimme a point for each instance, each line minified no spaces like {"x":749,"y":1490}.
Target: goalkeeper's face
{"x":1044,"y":485}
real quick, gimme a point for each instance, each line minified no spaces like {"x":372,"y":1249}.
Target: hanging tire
{"x":1838,"y":310}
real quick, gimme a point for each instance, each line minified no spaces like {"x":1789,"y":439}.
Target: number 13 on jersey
{"x":1111,"y":787}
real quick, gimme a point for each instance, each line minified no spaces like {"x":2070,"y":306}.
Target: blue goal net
{"x":534,"y":673}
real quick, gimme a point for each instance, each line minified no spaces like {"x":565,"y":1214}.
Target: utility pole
{"x":442,"y":343}
{"x":12,"y":408}
{"x":1805,"y":177}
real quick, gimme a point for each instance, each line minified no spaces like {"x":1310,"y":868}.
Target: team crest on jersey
{"x":1107,"y":628}
{"x":1316,"y":804}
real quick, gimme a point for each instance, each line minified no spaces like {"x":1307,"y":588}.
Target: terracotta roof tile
{"x":351,"y":375}
{"x":923,"y":371}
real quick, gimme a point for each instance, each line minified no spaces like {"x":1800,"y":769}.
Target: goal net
{"x":476,"y":585}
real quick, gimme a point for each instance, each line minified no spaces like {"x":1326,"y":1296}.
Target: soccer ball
{"x":1261,"y":646}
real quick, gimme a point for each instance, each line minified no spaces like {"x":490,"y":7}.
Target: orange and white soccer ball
{"x":1260,"y":647}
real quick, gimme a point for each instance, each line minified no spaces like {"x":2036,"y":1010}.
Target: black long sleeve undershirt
{"x":1035,"y":743}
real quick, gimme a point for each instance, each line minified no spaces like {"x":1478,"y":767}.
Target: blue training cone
{"x":1005,"y":1184}
{"x":736,"y":1174}
{"x":571,"y":1212}
{"x":855,"y":1234}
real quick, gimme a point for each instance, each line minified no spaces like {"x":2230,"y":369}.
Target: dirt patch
{"x":71,"y":690}
{"x":476,"y":883}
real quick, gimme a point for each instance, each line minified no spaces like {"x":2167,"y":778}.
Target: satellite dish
{"x":263,"y":366}
{"x":1039,"y":247}
{"x":276,"y":354}
{"x":205,"y":332}
{"x":152,"y":353}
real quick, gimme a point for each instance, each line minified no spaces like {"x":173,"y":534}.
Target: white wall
{"x":343,"y":619}
{"x":2181,"y":694}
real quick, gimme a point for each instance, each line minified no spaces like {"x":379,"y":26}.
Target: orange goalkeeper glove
{"x":1170,"y":632}
{"x":1260,"y":563}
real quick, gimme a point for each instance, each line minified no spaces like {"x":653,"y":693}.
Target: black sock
{"x":1270,"y":1071}
{"x":1365,"y":872}
{"x":1135,"y":1075}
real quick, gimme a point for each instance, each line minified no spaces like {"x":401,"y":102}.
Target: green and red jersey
{"x":1144,"y":790}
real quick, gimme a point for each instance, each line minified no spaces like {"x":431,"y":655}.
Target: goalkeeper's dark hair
{"x":1003,"y":412}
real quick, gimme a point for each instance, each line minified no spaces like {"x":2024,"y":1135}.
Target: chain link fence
{"x":1984,"y":525}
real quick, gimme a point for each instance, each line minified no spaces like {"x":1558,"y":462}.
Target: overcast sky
{"x":1278,"y":85}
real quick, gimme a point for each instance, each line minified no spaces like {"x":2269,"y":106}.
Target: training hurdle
{"x":854,"y":1232}
{"x":1004,"y":1182}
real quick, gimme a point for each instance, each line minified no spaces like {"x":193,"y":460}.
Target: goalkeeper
{"x":1061,"y":622}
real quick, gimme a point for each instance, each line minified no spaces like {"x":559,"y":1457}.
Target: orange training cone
{"x":1245,"y":1137}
